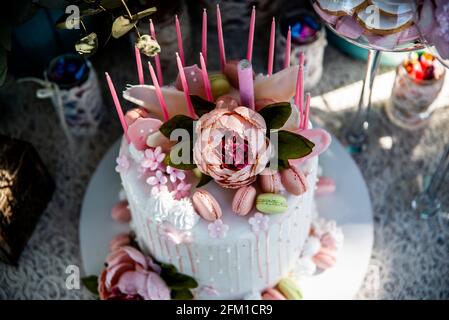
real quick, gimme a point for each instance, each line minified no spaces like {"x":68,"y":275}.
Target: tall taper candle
{"x":245,"y":75}
{"x":271,"y":48}
{"x":252,"y":23}
{"x":179,"y":37}
{"x":288,"y":48}
{"x":206,"y":81}
{"x":157,"y":58}
{"x":305,"y":123}
{"x":221,"y":46}
{"x":139,"y":65}
{"x":299,"y":94}
{"x":118,"y":107}
{"x":204,"y":36}
{"x":185,"y":86}
{"x":160,"y":96}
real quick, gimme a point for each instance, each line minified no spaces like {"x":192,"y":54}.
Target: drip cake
{"x":219,"y":172}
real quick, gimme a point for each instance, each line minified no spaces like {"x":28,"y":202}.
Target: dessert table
{"x":410,"y":257}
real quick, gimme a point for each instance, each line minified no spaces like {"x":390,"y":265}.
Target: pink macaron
{"x":243,"y":200}
{"x":325,"y":258}
{"x":120,"y":212}
{"x":272,"y":294}
{"x":325,"y":186}
{"x":269,"y":181}
{"x":294,"y":180}
{"x":206,"y":205}
{"x":132,"y":115}
{"x":119,"y":240}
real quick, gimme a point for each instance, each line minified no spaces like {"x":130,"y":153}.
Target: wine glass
{"x":434,"y":31}
{"x":376,"y":25}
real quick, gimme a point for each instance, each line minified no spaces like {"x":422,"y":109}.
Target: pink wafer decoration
{"x":139,"y":65}
{"x":160,"y":96}
{"x":118,"y":107}
{"x":271,"y":48}
{"x":157,"y":58}
{"x":179,"y":37}
{"x":252,"y":23}
{"x":221,"y":46}
{"x":185,"y":87}
{"x":206,"y":81}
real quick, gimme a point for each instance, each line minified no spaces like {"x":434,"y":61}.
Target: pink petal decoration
{"x":280,"y":86}
{"x":140,"y":129}
{"x":321,"y":138}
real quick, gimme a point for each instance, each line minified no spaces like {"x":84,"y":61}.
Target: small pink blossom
{"x":122,"y":164}
{"x":158,"y":181}
{"x":217,"y":229}
{"x":182,"y":190}
{"x":175,"y":174}
{"x":259,"y":222}
{"x":153,"y":159}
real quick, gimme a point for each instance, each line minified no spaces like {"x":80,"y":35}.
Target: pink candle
{"x":157,"y":58}
{"x":139,"y":65}
{"x":252,"y":23}
{"x":299,"y":94}
{"x":305,"y":123}
{"x":160,"y":96}
{"x":271,"y":48}
{"x":185,"y":87}
{"x":206,"y":81}
{"x":288,"y":48}
{"x":179,"y":37}
{"x":118,"y":107}
{"x":221,"y":46}
{"x":245,"y":74}
{"x":204,"y":36}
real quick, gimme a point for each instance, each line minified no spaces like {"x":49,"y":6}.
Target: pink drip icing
{"x":150,"y":235}
{"x":259,"y":260}
{"x":237,"y":258}
{"x":181,"y":267}
{"x":192,"y":263}
{"x":280,"y":245}
{"x":267,"y":250}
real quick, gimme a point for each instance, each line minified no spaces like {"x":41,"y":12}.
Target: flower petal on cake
{"x":279,"y":87}
{"x":156,"y":288}
{"x":322,"y":140}
{"x":139,"y":131}
{"x":145,"y":96}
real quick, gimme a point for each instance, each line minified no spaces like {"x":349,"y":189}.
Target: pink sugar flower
{"x":182,"y":190}
{"x":153,"y":159}
{"x":158,"y":181}
{"x":175,"y":174}
{"x":122,"y":164}
{"x":217,"y":229}
{"x":259,"y":222}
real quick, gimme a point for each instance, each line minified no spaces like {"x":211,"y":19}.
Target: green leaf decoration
{"x":201,"y":105}
{"x":283,"y":164}
{"x":183,"y":294}
{"x":177,"y":122}
{"x":205,"y":179}
{"x":91,"y":284}
{"x":276,"y":114}
{"x":293,"y":146}
{"x":143,"y":14}
{"x":87,"y":45}
{"x":180,"y":166}
{"x":176,"y":280}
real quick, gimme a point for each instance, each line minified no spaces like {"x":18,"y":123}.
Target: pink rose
{"x":231,"y":146}
{"x":129,"y":275}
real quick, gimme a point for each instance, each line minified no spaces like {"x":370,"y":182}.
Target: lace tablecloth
{"x":410,"y":257}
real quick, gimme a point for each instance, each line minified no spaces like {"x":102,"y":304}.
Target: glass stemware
{"x":377,"y":26}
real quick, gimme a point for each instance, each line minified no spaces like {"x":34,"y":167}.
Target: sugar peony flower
{"x":231,"y":147}
{"x":129,"y":275}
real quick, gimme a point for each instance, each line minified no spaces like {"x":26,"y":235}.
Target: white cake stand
{"x":350,"y":206}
